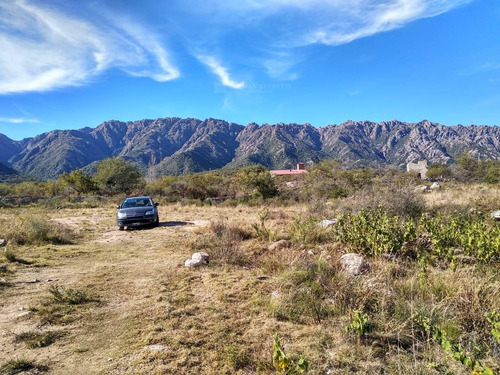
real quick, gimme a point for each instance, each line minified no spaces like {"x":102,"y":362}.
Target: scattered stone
{"x":3,"y":280}
{"x":275,"y":294}
{"x":203,"y":257}
{"x":51,"y":280}
{"x":435,"y":185}
{"x":465,"y":259}
{"x":3,"y":268}
{"x":262,"y":277}
{"x":281,"y":244}
{"x":21,"y":308}
{"x":354,"y":264}
{"x":24,"y":314}
{"x":3,"y":242}
{"x":157,"y":348}
{"x":193,"y":263}
{"x":197,"y":259}
{"x":310,"y":252}
{"x":110,"y":359}
{"x":392,"y":257}
{"x":424,"y":189}
{"x":495,"y":215}
{"x":327,"y":223}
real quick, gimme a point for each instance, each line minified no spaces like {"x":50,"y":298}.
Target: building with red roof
{"x":288,"y":172}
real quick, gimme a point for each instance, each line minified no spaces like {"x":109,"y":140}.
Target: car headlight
{"x":122,"y":215}
{"x":149,"y":213}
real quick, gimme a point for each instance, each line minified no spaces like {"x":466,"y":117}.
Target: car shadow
{"x":175,"y":223}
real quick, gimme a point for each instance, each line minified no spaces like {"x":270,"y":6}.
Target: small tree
{"x":115,"y":175}
{"x":78,"y":181}
{"x":439,"y":171}
{"x":256,"y":179}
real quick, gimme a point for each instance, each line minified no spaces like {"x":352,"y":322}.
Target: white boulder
{"x":354,"y":264}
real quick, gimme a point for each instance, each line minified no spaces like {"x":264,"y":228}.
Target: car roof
{"x":143,"y":197}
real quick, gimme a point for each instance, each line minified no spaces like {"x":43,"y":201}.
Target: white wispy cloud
{"x":44,"y":48}
{"x":220,"y":71}
{"x":18,"y":120}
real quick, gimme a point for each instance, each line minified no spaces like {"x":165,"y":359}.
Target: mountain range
{"x":178,"y":146}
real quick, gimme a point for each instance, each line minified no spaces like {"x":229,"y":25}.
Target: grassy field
{"x":80,"y":297}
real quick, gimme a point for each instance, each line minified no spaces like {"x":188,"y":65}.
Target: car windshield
{"x":137,"y":202}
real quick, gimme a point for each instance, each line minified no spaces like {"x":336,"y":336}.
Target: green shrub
{"x":307,"y":231}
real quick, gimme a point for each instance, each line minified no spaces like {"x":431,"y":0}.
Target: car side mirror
{"x":118,"y":207}
{"x":157,"y":204}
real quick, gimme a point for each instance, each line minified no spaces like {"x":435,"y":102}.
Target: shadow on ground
{"x":175,"y":223}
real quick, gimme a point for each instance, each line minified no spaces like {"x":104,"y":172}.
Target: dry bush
{"x":224,"y":243}
{"x":395,"y":199}
{"x":37,"y":230}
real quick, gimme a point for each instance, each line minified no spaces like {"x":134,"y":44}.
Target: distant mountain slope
{"x":178,"y":146}
{"x":7,"y":173}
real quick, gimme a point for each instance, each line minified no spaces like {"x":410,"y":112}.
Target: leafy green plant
{"x":360,"y":324}
{"x":455,"y":351}
{"x":494,"y":319}
{"x":285,"y":364}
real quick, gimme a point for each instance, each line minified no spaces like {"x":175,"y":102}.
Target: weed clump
{"x":35,"y":230}
{"x":224,"y":243}
{"x":38,"y":339}
{"x":17,"y":366}
{"x":63,"y":302}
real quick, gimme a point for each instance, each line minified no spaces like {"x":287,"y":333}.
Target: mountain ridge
{"x":174,"y":145}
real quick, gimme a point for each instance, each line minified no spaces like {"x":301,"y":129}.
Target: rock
{"x":495,"y":215}
{"x":435,"y":185}
{"x":392,"y":257}
{"x":193,"y":263}
{"x":110,"y":359}
{"x":424,"y":189}
{"x":327,"y":223}
{"x":465,"y":259}
{"x":275,"y":294}
{"x":3,"y":242}
{"x":354,"y":264}
{"x":310,"y":252}
{"x":281,"y":244}
{"x":3,"y":268}
{"x":21,"y":308}
{"x":203,"y":257}
{"x":262,"y":277}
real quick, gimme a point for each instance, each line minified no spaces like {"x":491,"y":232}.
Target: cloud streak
{"x":220,"y":71}
{"x":17,"y":120}
{"x":47,"y":45}
{"x":44,"y":48}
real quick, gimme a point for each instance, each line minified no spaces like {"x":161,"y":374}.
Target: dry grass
{"x":127,"y":305}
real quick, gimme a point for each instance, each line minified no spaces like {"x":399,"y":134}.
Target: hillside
{"x":179,"y":146}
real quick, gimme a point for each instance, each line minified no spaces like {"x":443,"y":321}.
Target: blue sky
{"x":69,"y":64}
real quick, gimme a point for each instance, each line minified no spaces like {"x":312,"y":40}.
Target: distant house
{"x":420,"y":168}
{"x":288,"y":172}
